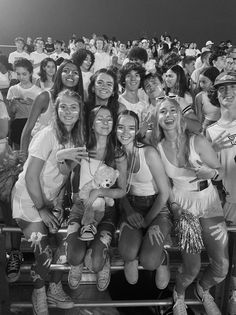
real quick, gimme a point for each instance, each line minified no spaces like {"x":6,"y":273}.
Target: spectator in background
{"x":79,"y":44}
{"x":204,"y":58}
{"x":38,"y":55}
{"x":49,"y":46}
{"x":47,"y":74}
{"x":5,"y":75}
{"x":19,"y":53}
{"x":102,"y":59}
{"x":208,"y":46}
{"x":58,"y":52}
{"x":218,"y":59}
{"x":188,"y":64}
{"x":29,"y":47}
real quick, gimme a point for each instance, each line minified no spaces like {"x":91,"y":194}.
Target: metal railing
{"x":5,"y":304}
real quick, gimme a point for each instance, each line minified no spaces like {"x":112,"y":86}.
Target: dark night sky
{"x":189,"y":20}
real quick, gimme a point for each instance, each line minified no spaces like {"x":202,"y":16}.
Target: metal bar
{"x":128,"y":303}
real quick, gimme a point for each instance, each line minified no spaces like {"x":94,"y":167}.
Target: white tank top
{"x":87,"y":170}
{"x":142,"y":182}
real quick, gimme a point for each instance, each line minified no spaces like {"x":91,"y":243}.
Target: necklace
{"x":132,"y":165}
{"x":100,"y":163}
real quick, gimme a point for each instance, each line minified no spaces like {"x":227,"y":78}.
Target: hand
{"x":28,"y":101}
{"x":135,"y":219}
{"x":49,"y":219}
{"x":222,"y":142}
{"x":202,"y":172}
{"x":58,"y":208}
{"x":94,"y":194}
{"x":74,"y":154}
{"x":144,"y":126}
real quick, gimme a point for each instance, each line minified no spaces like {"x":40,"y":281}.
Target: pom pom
{"x":189,"y":234}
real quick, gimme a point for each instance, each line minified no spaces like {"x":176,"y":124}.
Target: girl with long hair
{"x":47,"y":72}
{"x":191,"y":164}
{"x":95,"y":255}
{"x":37,"y":197}
{"x":145,"y":217}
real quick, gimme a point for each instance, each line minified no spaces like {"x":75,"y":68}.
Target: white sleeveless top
{"x":87,"y":170}
{"x":142,"y":182}
{"x":45,"y":118}
{"x":204,"y":203}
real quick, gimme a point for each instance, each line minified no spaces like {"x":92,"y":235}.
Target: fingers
{"x":199,"y":162}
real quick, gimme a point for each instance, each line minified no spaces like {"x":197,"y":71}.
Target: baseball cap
{"x":225,"y":78}
{"x":209,"y":42}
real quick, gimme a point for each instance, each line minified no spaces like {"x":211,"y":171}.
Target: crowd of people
{"x":141,"y":137}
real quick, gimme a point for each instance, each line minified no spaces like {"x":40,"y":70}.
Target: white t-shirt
{"x":36,"y":58}
{"x":227,"y":156}
{"x":15,"y":55}
{"x":86,"y":80}
{"x":16,"y":91}
{"x":102,"y":60}
{"x":140,"y":108}
{"x":43,"y":146}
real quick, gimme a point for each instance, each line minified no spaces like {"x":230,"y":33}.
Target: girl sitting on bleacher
{"x":39,"y":191}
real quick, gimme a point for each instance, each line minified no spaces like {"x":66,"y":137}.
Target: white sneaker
{"x":104,"y":276}
{"x":87,"y":232}
{"x":179,"y":307}
{"x":232,"y":304}
{"x":74,"y":276}
{"x":207,"y":300}
{"x":39,"y":302}
{"x":58,"y":297}
{"x":131,"y":271}
{"x":162,"y":276}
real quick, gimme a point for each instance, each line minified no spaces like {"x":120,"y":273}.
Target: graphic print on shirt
{"x":232,"y":139}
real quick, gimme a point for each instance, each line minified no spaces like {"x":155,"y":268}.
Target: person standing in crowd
{"x":176,"y":86}
{"x":38,"y":55}
{"x":85,"y":59}
{"x":102,"y":59}
{"x":68,"y":76}
{"x":191,"y":163}
{"x":5,"y":75}
{"x":145,"y":218}
{"x":218,"y":59}
{"x":39,"y":191}
{"x":20,"y":98}
{"x":204,"y":59}
{"x":19,"y":53}
{"x":208,"y":46}
{"x":207,"y":113}
{"x":47,"y":74}
{"x":96,"y":258}
{"x":188,"y":64}
{"x":49,"y":46}
{"x":131,"y":77}
{"x":222,"y":134}
{"x":58,"y":52}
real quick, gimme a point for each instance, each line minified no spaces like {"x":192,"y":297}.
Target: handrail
{"x":119,"y":303}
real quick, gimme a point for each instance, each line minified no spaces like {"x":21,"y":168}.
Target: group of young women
{"x":171,"y":177}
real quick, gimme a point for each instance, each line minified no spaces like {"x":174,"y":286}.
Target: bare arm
{"x":39,"y":106}
{"x":157,"y":170}
{"x":198,"y":107}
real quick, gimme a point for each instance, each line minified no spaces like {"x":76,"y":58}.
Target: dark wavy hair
{"x":112,"y":103}
{"x":127,"y":68}
{"x":181,"y":86}
{"x":77,"y":132}
{"x":42,"y":72}
{"x":110,"y":154}
{"x":79,"y":56}
{"x":24,"y":63}
{"x":58,"y":85}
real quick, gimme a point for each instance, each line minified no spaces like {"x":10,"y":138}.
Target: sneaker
{"x":207,"y":300}
{"x":104,"y":276}
{"x":39,"y":302}
{"x":232,"y":304}
{"x":13,"y":266}
{"x":58,"y":297}
{"x":74,"y":276}
{"x":87,"y":232}
{"x":131,"y":271}
{"x":179,"y":307}
{"x":162,"y":277}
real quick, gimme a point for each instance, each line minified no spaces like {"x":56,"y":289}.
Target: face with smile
{"x":70,"y":75}
{"x":132,"y":81}
{"x":126,"y":129}
{"x":170,"y":79}
{"x":103,"y":86}
{"x":167,"y":115}
{"x":103,"y":122}
{"x":23,"y":75}
{"x":153,"y":87}
{"x":68,"y":110}
{"x":227,"y":96}
{"x":204,"y":83}
{"x":86,"y":63}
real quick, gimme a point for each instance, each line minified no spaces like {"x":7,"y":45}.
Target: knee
{"x":149,"y":262}
{"x":220,"y":268}
{"x":193,"y":270}
{"x":75,"y":254}
{"x":128,"y":253}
